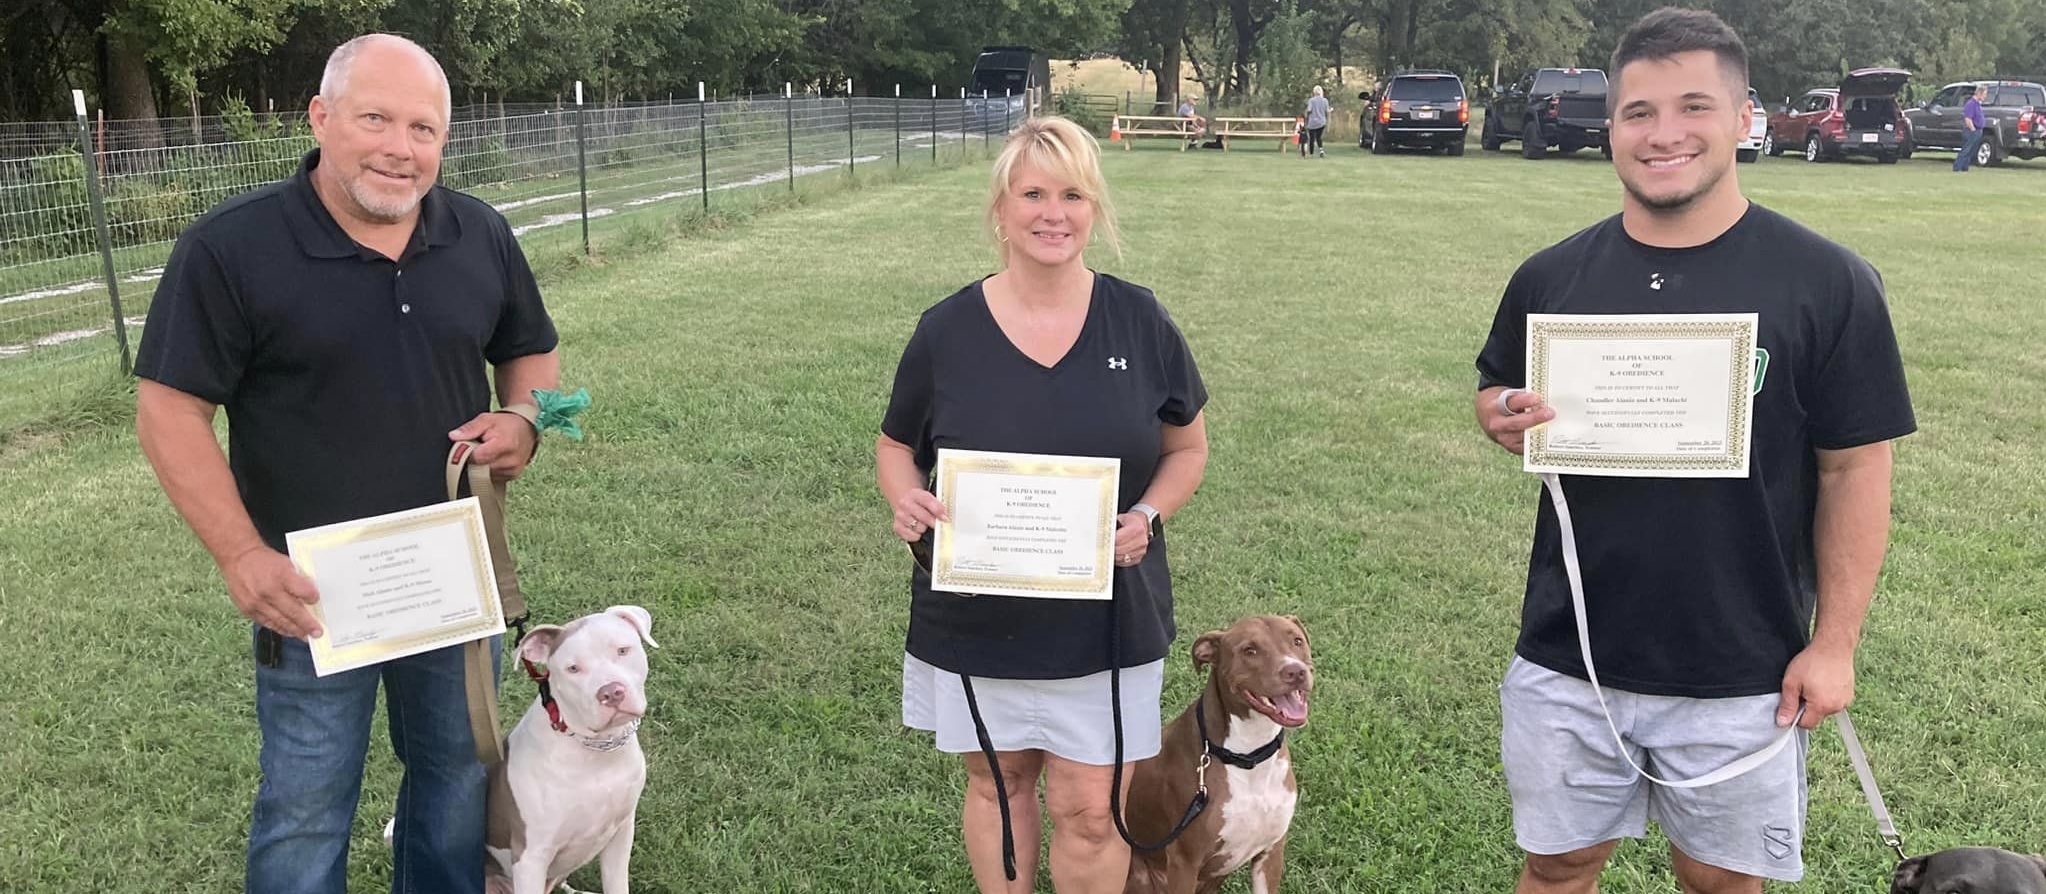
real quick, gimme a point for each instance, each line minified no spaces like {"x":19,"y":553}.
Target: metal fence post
{"x":582,"y":166}
{"x":850,"y":162}
{"x":788,"y":104}
{"x":934,"y":124}
{"x":898,"y":125}
{"x":702,"y":147}
{"x":89,"y":171}
{"x":965,"y":145}
{"x":1006,"y":125}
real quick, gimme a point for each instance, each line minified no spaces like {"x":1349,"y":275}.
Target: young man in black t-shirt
{"x":1701,"y":593}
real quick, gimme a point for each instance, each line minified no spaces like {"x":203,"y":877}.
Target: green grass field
{"x":740,"y":374}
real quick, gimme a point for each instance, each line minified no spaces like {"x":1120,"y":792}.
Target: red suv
{"x":1859,"y":117}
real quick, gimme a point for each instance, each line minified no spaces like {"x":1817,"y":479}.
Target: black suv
{"x":1415,"y":108}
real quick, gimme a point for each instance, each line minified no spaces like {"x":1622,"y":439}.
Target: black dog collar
{"x":1246,"y":761}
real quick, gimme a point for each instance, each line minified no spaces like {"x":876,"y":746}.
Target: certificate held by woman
{"x":1026,"y":524}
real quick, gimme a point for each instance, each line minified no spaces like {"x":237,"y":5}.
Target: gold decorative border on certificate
{"x":1104,"y":474}
{"x":465,"y":512}
{"x":1740,"y":332}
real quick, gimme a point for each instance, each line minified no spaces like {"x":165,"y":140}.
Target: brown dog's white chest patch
{"x":1259,"y":806}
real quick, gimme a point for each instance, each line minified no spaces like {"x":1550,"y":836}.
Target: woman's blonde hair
{"x":1062,"y":149}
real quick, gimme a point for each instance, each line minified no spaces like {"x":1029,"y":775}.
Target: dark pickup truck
{"x":1561,"y":107}
{"x":2016,"y":113}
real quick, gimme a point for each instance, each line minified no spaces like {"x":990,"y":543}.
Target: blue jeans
{"x":1969,"y":144}
{"x":315,"y":737}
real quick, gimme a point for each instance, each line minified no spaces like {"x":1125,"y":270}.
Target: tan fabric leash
{"x":480,"y":672}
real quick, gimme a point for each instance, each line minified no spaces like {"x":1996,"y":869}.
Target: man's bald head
{"x":380,"y":49}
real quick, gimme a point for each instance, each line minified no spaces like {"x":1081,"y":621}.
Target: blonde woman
{"x":1045,"y":356}
{"x":1317,"y":122}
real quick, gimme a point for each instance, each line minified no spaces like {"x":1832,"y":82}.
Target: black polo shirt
{"x":342,"y":371}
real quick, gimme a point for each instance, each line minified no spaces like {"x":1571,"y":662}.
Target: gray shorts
{"x":1572,"y":790}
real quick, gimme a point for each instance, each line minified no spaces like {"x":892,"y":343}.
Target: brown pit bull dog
{"x":1263,"y":671}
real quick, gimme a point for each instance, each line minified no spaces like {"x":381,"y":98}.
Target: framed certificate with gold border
{"x":398,"y":584}
{"x":1643,"y":395}
{"x":1026,"y":525}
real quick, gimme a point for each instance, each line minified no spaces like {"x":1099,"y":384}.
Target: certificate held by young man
{"x":1638,"y":395}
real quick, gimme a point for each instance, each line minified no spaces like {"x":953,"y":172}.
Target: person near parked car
{"x":1972,"y":121}
{"x":1317,"y":121}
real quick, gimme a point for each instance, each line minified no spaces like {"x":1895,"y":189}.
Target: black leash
{"x":987,"y":749}
{"x":920,"y":553}
{"x":1200,"y":798}
{"x":1194,"y":808}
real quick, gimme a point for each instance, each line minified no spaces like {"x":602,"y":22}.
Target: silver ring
{"x":915,"y":525}
{"x":1505,"y":410}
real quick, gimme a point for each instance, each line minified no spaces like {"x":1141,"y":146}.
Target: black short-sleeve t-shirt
{"x":1706,"y":587}
{"x":342,"y":371}
{"x":962,"y":384}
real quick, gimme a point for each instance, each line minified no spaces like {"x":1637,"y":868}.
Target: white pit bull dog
{"x":570,"y":782}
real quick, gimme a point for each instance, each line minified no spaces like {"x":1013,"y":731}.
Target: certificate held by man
{"x":1026,"y":525}
{"x":398,"y":584}
{"x":1643,"y":395}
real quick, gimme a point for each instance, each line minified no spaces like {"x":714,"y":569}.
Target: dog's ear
{"x":640,"y":619}
{"x":1302,"y":628}
{"x":1206,"y":649}
{"x":538,"y":646}
{"x":1909,"y":873}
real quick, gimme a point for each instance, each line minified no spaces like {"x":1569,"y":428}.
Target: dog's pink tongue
{"x":1292,"y":707}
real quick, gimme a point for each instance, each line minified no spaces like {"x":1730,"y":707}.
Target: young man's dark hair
{"x":1670,"y":30}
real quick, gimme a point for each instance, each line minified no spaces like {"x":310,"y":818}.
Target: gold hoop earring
{"x":1001,"y":236}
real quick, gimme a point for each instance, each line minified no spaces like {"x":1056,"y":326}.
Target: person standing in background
{"x":1317,"y":122}
{"x":1972,"y":122}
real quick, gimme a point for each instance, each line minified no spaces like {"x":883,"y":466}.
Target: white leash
{"x":1855,"y":755}
{"x":1570,"y":568}
{"x":1884,"y":827}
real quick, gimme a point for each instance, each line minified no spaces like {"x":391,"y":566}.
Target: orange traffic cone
{"x":1115,"y":131}
{"x":1298,"y":124}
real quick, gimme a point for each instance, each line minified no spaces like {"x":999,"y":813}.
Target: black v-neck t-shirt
{"x":963,"y":384}
{"x":1706,"y":587}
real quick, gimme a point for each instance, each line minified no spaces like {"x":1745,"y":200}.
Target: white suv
{"x":1758,"y":131}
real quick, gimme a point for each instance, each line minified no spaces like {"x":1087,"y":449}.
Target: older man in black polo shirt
{"x":344,"y":318}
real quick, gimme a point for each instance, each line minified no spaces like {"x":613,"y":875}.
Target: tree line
{"x":151,"y":58}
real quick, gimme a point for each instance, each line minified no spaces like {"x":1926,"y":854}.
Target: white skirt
{"x":1068,"y":717}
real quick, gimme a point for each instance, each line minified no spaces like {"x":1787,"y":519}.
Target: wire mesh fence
{"x":548,"y":169}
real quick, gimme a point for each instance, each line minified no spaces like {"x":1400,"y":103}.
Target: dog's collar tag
{"x":610,"y":743}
